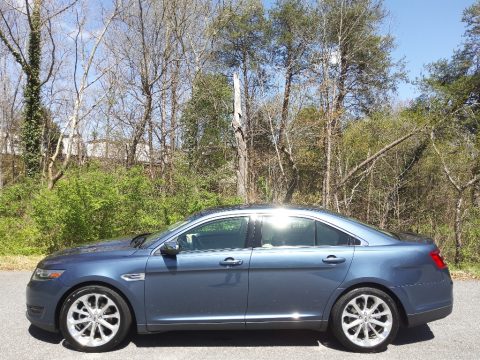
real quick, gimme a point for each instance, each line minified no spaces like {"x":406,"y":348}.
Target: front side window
{"x":287,"y":231}
{"x":230,"y":233}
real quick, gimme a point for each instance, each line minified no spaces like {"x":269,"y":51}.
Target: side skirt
{"x":318,"y":325}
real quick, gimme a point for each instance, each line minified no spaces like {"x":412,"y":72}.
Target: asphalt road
{"x":456,"y":337}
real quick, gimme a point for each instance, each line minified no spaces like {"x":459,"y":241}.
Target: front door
{"x":206,"y":283}
{"x":295,"y":267}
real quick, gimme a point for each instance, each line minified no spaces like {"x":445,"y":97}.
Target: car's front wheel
{"x":94,"y":319}
{"x":365,"y":320}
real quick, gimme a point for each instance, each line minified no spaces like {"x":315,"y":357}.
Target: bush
{"x":90,"y":205}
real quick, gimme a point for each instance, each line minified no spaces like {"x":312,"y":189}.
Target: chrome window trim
{"x":252,"y":215}
{"x":202,"y":221}
{"x":312,"y":217}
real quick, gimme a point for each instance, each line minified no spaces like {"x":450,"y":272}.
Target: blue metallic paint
{"x":296,"y":274}
{"x":192,"y":288}
{"x":273,"y":288}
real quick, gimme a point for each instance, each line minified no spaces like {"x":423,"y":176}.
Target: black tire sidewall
{"x":336,"y":319}
{"x":125,"y":317}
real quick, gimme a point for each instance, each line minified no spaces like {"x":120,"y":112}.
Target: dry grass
{"x":463,"y":275}
{"x":19,"y":262}
{"x":466,"y":272}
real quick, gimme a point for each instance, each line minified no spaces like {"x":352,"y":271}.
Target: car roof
{"x":251,"y":208}
{"x":356,"y":228}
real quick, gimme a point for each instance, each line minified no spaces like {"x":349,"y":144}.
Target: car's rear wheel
{"x":94,"y":319}
{"x":365,"y":320}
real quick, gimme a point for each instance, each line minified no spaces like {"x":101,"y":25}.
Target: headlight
{"x":42,"y":274}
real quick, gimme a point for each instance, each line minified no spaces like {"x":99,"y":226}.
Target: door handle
{"x":332,"y":259}
{"x":229,"y":261}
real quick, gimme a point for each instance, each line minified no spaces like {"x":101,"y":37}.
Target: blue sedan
{"x":246,"y":267}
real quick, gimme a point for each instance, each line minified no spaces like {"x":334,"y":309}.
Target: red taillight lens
{"x":438,"y":259}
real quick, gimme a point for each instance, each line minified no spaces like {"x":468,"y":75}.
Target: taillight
{"x":438,"y":259}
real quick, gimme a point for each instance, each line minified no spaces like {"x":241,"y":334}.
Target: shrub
{"x":92,"y":204}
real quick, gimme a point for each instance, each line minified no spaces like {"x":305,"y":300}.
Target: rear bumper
{"x":429,"y":316}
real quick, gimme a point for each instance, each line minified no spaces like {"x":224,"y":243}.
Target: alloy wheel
{"x":93,"y":319}
{"x":367,"y":320}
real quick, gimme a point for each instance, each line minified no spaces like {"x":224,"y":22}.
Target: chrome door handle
{"x":231,"y":262}
{"x":332,"y":259}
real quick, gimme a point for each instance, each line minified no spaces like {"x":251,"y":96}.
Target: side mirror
{"x":170,"y":248}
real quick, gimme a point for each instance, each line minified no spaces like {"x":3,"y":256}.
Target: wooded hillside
{"x":118,"y":117}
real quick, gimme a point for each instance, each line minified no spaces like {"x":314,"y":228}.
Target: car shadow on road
{"x":234,"y":338}
{"x":413,"y":335}
{"x":265,"y":338}
{"x":45,"y":336}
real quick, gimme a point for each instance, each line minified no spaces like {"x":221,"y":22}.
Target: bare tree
{"x":84,"y":55}
{"x":11,"y":81}
{"x":353,"y":70}
{"x":460,"y":188}
{"x":33,"y":18}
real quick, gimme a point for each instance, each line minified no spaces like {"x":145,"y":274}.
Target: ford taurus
{"x":246,"y":267}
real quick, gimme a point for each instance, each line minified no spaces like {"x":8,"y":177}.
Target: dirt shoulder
{"x":19,"y":262}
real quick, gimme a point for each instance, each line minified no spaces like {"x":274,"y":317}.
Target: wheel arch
{"x":93,"y":283}
{"x":378,"y":286}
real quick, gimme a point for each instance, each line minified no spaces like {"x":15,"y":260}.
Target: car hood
{"x":103,"y":249}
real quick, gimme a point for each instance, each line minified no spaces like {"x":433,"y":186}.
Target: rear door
{"x":206,"y":284}
{"x":296,"y":264}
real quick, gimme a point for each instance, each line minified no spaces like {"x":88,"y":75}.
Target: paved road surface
{"x":456,"y":337}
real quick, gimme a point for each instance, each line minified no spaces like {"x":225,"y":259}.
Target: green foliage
{"x":242,"y":35}
{"x":293,"y":28}
{"x":90,"y":205}
{"x":453,"y":86}
{"x":32,"y":123}
{"x":206,"y":120}
{"x":351,"y":30}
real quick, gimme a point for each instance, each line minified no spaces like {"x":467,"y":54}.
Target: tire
{"x":350,"y":319}
{"x":98,"y":308}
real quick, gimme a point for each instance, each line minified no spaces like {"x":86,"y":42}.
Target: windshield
{"x":160,"y":234}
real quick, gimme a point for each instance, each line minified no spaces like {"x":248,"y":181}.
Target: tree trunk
{"x":150,"y":147}
{"x":285,"y":105}
{"x":173,"y":121}
{"x":292,"y":185}
{"x":294,"y":180}
{"x":140,"y":130}
{"x":458,"y":228}
{"x":328,"y":144}
{"x":242,"y":170}
{"x":32,"y":122}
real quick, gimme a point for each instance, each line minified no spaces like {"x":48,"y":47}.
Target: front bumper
{"x":42,"y":299}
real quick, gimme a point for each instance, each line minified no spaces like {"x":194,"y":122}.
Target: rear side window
{"x":287,"y":231}
{"x":329,"y":236}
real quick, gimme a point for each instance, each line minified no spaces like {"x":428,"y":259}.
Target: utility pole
{"x":242,"y":169}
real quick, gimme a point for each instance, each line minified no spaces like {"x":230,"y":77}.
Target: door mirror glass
{"x":170,"y":248}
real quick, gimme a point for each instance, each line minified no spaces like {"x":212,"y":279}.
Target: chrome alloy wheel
{"x":93,"y":320}
{"x":367,"y":320}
